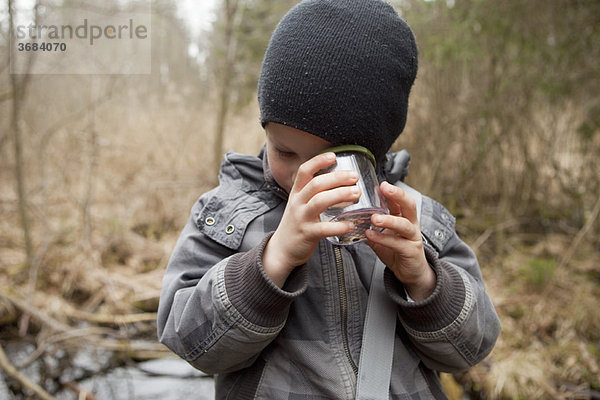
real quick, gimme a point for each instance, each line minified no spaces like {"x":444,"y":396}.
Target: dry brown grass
{"x":548,"y":348}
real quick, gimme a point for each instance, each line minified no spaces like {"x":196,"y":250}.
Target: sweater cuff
{"x":252,"y":292}
{"x":441,"y":308}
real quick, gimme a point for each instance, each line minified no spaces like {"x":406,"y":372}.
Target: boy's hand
{"x":400,"y":245}
{"x":300,"y":228}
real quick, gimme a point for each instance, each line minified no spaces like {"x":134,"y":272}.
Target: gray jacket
{"x":220,"y":312}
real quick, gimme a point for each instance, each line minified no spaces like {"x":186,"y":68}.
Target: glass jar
{"x":371,"y":200}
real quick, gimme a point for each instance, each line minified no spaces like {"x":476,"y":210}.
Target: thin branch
{"x":36,"y":313}
{"x":580,"y":235}
{"x":112,"y":344}
{"x":82,"y":393}
{"x":57,"y":338}
{"x":22,"y":378}
{"x":491,"y":230}
{"x":110,"y":319}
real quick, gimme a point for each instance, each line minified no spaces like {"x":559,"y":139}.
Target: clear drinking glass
{"x":371,"y":201}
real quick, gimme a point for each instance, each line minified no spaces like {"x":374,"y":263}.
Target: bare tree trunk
{"x":18,"y":87}
{"x":19,"y":173}
{"x":92,"y":165}
{"x":231,"y":9}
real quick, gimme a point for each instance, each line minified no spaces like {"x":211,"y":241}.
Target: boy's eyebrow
{"x":283,"y":146}
{"x":279,"y":143}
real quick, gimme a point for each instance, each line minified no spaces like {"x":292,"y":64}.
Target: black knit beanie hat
{"x":341,"y":70}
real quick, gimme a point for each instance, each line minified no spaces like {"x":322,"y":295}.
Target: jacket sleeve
{"x":218,"y":310}
{"x":457,"y":326}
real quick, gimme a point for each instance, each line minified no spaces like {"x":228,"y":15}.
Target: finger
{"x":390,"y":241}
{"x":329,"y":181}
{"x":397,"y":225}
{"x":399,"y":202}
{"x":328,"y":229}
{"x":338,"y":196}
{"x":308,"y":169}
{"x":384,"y":253}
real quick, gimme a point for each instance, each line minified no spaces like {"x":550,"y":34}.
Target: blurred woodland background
{"x":98,"y":174}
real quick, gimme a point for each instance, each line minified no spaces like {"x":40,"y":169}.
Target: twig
{"x":491,"y":230}
{"x":24,"y":380}
{"x":110,"y":318}
{"x":74,"y":313}
{"x":580,"y":235}
{"x":35,"y":313}
{"x":82,"y":393}
{"x":60,"y":337}
{"x":135,"y":348}
{"x":33,"y":277}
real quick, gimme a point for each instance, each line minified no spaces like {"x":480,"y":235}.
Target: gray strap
{"x":377,"y":352}
{"x":375,"y":364}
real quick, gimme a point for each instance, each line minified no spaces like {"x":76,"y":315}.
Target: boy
{"x":254,"y":294}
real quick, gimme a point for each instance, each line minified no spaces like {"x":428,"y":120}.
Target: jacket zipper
{"x":343,"y":306}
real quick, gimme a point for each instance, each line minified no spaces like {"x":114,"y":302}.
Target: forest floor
{"x":546,"y":289}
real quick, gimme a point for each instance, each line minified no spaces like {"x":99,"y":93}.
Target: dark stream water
{"x":93,"y":371}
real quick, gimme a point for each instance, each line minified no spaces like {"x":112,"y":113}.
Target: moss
{"x":516,"y":312}
{"x":538,"y":272}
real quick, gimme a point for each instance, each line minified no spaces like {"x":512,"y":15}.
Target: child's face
{"x":287,"y":149}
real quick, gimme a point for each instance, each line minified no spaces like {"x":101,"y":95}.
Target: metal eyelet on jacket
{"x":229,"y":230}
{"x":439,"y":234}
{"x":210,"y":221}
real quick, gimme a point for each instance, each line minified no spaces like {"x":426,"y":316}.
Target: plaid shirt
{"x":220,"y":312}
